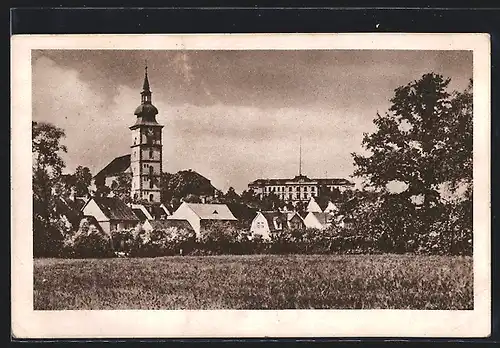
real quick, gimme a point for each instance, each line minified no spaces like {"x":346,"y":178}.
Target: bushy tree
{"x":47,"y":166}
{"x":82,"y":180}
{"x":231,"y":196}
{"x":88,"y":242}
{"x":121,"y":186}
{"x":219,"y":237}
{"x":423,"y":143}
{"x":184,"y":183}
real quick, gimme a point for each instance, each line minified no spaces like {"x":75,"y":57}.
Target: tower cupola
{"x":146,"y":112}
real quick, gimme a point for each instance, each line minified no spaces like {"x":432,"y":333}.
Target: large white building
{"x":299,"y":189}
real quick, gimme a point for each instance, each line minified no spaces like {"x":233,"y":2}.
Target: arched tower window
{"x":150,"y":176}
{"x":150,"y":197}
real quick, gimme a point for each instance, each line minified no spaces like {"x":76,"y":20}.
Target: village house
{"x":110,"y":213}
{"x":267,"y":222}
{"x":198,"y":214}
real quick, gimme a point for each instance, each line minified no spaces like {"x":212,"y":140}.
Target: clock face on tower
{"x":150,"y":135}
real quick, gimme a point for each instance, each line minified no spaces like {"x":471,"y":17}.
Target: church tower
{"x":146,"y":149}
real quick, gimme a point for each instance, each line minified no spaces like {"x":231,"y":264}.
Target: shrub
{"x":122,"y":241}
{"x":163,"y":242}
{"x":219,"y":238}
{"x":88,"y":242}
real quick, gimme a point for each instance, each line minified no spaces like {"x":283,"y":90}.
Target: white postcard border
{"x":27,"y":323}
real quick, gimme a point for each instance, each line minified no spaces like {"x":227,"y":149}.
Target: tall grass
{"x":256,"y":282}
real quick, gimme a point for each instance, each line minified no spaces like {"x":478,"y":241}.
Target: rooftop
{"x":117,"y":166}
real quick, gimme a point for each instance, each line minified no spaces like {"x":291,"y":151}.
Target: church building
{"x":144,"y":162}
{"x":146,"y":149}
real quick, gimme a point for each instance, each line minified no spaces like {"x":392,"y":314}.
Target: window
{"x":290,"y":196}
{"x":150,"y":197}
{"x":290,"y":189}
{"x":150,"y":153}
{"x":313,"y":189}
{"x":305,"y":195}
{"x":297,"y":195}
{"x":305,"y":188}
{"x":297,"y":188}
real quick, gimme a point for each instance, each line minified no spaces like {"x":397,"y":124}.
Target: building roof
{"x":301,"y":179}
{"x":140,"y":214}
{"x":291,"y":214}
{"x":166,"y":223}
{"x":211,"y":211}
{"x":302,"y":214}
{"x":157,"y":211}
{"x":272,"y":216}
{"x":115,"y":167}
{"x":70,"y":209}
{"x":114,"y":209}
{"x":242,"y":211}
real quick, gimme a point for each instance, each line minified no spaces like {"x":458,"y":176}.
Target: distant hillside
{"x":185,"y":183}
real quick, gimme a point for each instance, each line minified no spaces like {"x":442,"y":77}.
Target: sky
{"x":232,"y":116}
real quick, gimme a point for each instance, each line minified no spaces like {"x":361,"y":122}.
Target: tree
{"x":121,"y":187}
{"x":47,"y":166}
{"x":416,"y":145}
{"x":191,"y":198}
{"x":82,"y":180}
{"x":231,"y":196}
{"x":183,"y":183}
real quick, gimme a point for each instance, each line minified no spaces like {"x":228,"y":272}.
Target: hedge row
{"x":218,"y":239}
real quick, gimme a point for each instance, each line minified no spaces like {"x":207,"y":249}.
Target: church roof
{"x":115,"y":167}
{"x":149,"y":109}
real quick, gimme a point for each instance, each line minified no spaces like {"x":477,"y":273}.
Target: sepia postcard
{"x":250,"y":185}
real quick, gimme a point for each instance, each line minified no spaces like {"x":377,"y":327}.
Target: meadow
{"x":256,"y":282}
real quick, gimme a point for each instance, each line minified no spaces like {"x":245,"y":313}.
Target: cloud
{"x":233,"y":116}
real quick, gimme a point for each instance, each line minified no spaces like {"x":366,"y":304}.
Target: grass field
{"x":256,"y":282}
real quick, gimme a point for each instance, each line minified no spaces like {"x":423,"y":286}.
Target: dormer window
{"x":215,"y":212}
